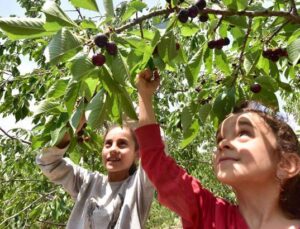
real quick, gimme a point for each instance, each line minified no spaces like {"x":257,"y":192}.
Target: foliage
{"x":199,"y":85}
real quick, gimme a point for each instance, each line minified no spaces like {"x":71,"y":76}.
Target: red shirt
{"x":179,"y":191}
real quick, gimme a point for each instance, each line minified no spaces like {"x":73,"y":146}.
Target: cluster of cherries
{"x":101,"y":41}
{"x":274,"y":54}
{"x":192,"y":12}
{"x":218,"y":44}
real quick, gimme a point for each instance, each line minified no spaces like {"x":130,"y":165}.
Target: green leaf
{"x":204,"y":112}
{"x":268,"y":83}
{"x":224,"y":103}
{"x":24,"y":28}
{"x":75,"y":118}
{"x":132,"y":8}
{"x":58,"y":89}
{"x":189,"y":29}
{"x":293,"y":50}
{"x":266,"y":97}
{"x":57,"y":135}
{"x":239,"y":21}
{"x":63,"y":46}
{"x":118,"y":68}
{"x":96,"y":109}
{"x":186,"y":118}
{"x":109,"y":8}
{"x":126,"y":104}
{"x":81,"y":66}
{"x":190,"y":134}
{"x":88,"y":24}
{"x":193,"y":68}
{"x":86,"y":4}
{"x":56,"y":17}
{"x":71,"y":95}
{"x":47,"y":106}
{"x":222,"y":62}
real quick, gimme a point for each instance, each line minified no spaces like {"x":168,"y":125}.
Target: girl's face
{"x":246,"y":150}
{"x":118,"y":153}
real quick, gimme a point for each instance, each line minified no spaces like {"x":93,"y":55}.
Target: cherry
{"x":226,"y":41}
{"x":98,"y":59}
{"x":101,"y":40}
{"x":201,"y":4}
{"x":111,"y":48}
{"x":80,"y":132}
{"x":183,"y":15}
{"x":203,"y":18}
{"x":193,"y":11}
{"x":255,"y":88}
{"x":177,"y":46}
{"x":211,"y":44}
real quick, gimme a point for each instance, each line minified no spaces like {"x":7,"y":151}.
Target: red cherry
{"x":255,"y":88}
{"x":98,"y":59}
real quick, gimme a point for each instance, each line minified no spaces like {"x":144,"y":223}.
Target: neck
{"x":259,"y":205}
{"x":117,"y":176}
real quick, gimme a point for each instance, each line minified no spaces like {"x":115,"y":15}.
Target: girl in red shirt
{"x":257,"y":155}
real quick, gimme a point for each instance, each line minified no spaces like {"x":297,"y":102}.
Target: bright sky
{"x":11,"y":7}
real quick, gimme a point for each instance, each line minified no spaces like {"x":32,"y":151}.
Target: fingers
{"x":145,"y":74}
{"x":149,"y":75}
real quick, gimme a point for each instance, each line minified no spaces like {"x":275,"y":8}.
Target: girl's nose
{"x":224,"y":144}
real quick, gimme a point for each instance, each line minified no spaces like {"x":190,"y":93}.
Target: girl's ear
{"x":288,"y":166}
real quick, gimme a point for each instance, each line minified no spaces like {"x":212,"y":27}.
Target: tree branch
{"x":241,"y":57}
{"x":290,"y":16}
{"x":14,"y":138}
{"x":143,"y":18}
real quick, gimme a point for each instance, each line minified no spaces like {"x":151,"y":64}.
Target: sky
{"x":11,"y":7}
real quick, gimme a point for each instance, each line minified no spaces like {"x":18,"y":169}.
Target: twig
{"x":28,"y":206}
{"x":276,"y":32}
{"x":143,"y":18}
{"x":14,"y":138}
{"x":219,"y":23}
{"x":241,"y":57}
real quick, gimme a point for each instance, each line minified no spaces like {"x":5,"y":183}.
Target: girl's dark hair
{"x":133,"y":167}
{"x":287,"y":142}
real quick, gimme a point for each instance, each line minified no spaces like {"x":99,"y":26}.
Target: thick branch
{"x":14,"y":138}
{"x":265,"y":13}
{"x":290,"y":16}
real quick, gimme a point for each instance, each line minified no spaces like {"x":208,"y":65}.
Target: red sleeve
{"x":176,"y":189}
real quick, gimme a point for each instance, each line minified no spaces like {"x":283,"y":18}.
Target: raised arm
{"x":176,"y":189}
{"x":62,"y":170}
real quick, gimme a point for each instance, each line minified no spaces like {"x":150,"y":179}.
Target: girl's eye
{"x":244,"y":133}
{"x":122,"y":144}
{"x":107,"y":144}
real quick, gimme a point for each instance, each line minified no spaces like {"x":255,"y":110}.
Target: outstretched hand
{"x":147,"y":82}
